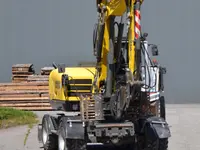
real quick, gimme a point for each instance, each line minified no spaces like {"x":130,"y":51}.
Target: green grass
{"x":10,"y":117}
{"x":30,"y":126}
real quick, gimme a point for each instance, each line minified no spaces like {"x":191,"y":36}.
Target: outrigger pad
{"x":158,"y":126}
{"x":74,"y":128}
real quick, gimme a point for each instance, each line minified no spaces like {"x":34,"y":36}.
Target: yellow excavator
{"x":124,"y":84}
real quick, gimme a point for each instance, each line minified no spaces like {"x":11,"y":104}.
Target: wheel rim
{"x":61,"y":143}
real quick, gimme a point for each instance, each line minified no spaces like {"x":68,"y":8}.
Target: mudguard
{"x":74,"y":128}
{"x":157,"y":127}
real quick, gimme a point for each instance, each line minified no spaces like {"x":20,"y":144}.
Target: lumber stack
{"x":46,"y":70}
{"x":20,"y":72}
{"x":25,"y":96}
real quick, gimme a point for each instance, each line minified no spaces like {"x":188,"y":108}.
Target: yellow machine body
{"x":64,"y":96}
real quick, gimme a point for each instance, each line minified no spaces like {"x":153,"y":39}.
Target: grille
{"x":80,"y":81}
{"x":79,"y":86}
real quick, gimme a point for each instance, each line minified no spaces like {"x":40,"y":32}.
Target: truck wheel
{"x":162,"y":107}
{"x":163,"y":144}
{"x":160,"y":144}
{"x":62,"y":145}
{"x":151,"y":141}
{"x":78,"y":144}
{"x":48,"y":139}
{"x":68,"y":144}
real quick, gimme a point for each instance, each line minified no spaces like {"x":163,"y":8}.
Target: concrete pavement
{"x":184,"y":120}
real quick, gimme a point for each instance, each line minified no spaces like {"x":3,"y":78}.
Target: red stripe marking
{"x":137,"y":26}
{"x":137,"y":13}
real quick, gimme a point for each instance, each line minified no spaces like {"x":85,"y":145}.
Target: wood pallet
{"x":25,"y":96}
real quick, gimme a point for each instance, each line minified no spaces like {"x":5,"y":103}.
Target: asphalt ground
{"x":184,"y":121}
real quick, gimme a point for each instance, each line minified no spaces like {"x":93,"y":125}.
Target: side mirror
{"x":144,"y":36}
{"x":61,"y":68}
{"x":163,"y":70}
{"x":155,"y":50}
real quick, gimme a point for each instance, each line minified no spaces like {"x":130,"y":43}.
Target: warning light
{"x":155,"y":61}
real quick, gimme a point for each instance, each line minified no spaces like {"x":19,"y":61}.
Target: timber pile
{"x":28,"y":91}
{"x":20,"y":72}
{"x":25,"y":96}
{"x":46,"y":70}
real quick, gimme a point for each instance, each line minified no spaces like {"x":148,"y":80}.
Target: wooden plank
{"x":45,"y":95}
{"x":22,"y":72}
{"x":38,"y":79}
{"x":19,"y":77}
{"x":47,"y":68}
{"x":38,"y":76}
{"x":20,"y":96}
{"x":45,"y":73}
{"x":26,"y":105}
{"x":22,"y":92}
{"x":24,"y":101}
{"x":18,"y":81}
{"x":27,"y":88}
{"x":24,"y":98}
{"x":22,"y":65}
{"x":14,"y":76}
{"x":22,"y":79}
{"x":25,"y":84}
{"x":21,"y":69}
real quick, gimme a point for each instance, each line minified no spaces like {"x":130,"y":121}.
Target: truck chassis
{"x":68,"y":132}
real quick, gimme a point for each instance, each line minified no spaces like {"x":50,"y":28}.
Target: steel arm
{"x":105,"y":36}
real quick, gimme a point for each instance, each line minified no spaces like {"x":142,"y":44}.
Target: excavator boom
{"x":104,"y":46}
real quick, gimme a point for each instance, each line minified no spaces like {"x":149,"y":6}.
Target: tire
{"x":48,"y":139}
{"x":153,"y":142}
{"x":160,"y":144}
{"x":162,"y":107}
{"x":68,"y":144}
{"x":163,"y":144}
{"x":62,"y":143}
